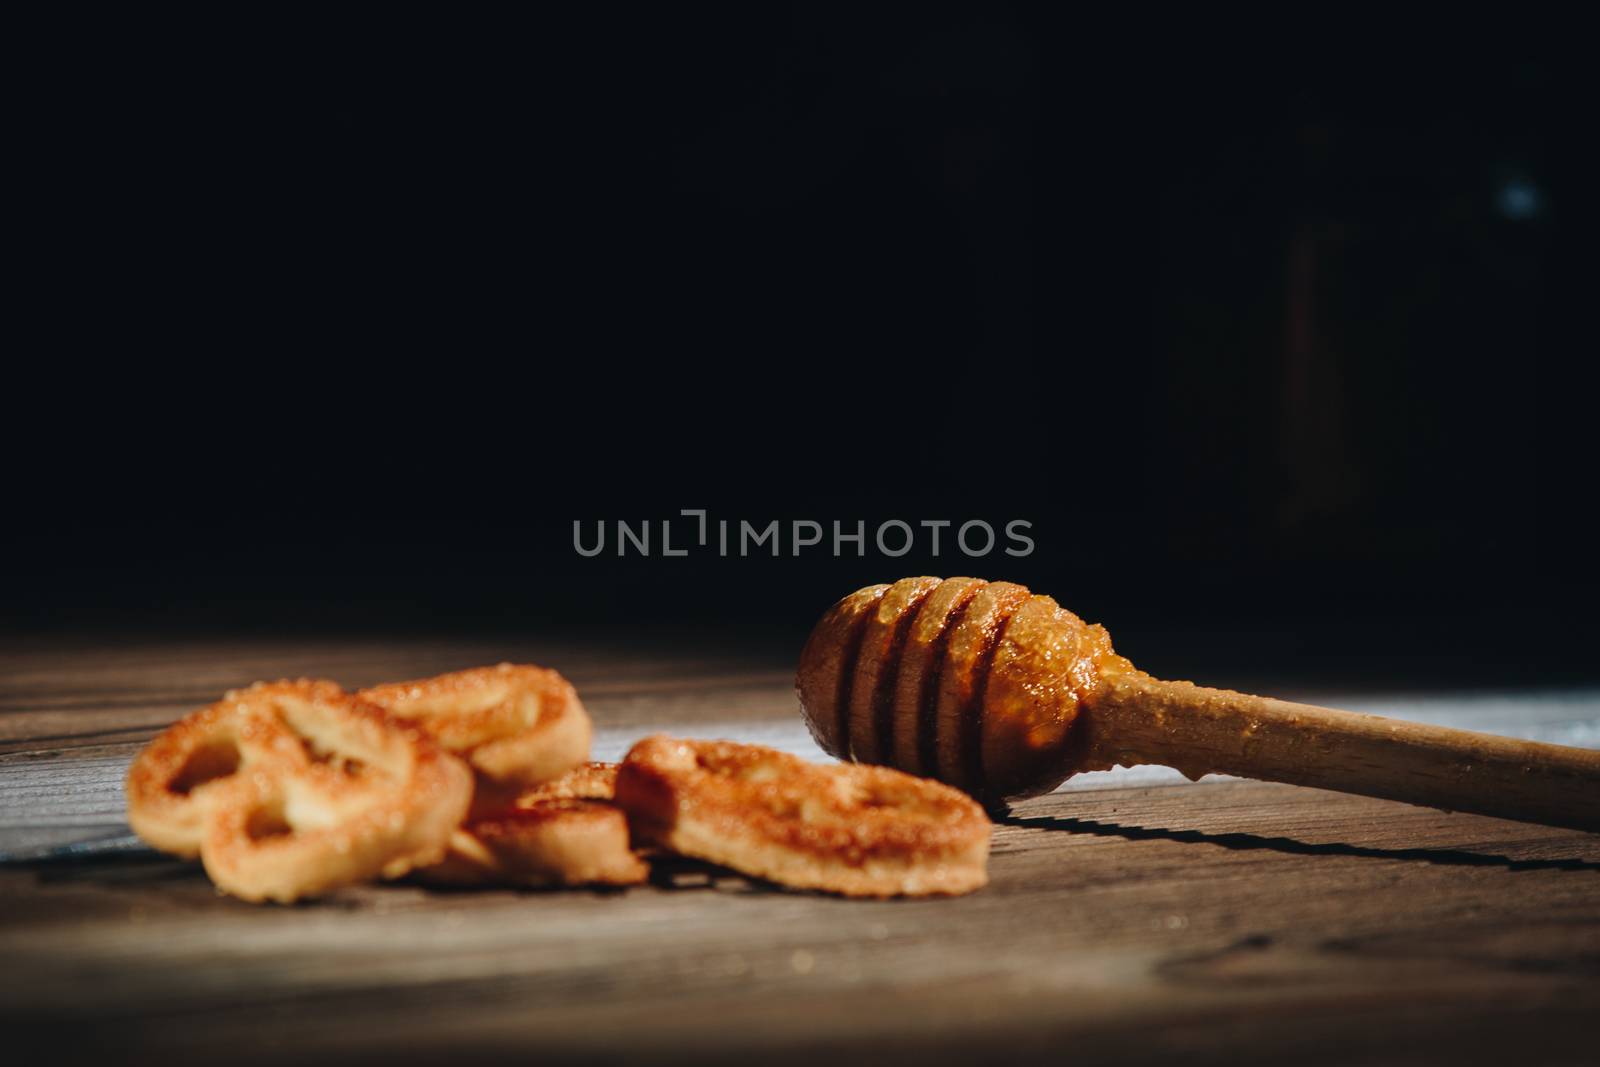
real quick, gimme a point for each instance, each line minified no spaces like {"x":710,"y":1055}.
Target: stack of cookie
{"x":481,"y":777}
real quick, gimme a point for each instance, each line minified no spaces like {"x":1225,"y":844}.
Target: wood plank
{"x":1108,"y":910}
{"x":1231,"y":920}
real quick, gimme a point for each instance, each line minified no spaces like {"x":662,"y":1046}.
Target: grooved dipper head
{"x":974,"y":683}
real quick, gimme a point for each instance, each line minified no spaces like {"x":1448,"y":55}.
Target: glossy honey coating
{"x":976,"y":683}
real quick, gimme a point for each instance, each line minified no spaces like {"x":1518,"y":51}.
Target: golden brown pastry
{"x":518,"y":726}
{"x":857,"y":831}
{"x":290,"y":789}
{"x":565,"y":832}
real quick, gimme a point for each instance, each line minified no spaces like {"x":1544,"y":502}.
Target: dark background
{"x":344,"y":323}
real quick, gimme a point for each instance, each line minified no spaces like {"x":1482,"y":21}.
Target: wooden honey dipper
{"x":1006,"y":694}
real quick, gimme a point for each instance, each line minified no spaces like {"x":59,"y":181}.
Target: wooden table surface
{"x":1131,"y":918}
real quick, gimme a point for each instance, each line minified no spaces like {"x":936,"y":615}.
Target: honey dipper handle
{"x":1138,"y":719}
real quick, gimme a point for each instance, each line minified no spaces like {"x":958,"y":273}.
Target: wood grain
{"x":1231,"y":921}
{"x":1139,"y":719}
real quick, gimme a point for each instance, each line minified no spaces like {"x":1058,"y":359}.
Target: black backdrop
{"x":345,"y":323}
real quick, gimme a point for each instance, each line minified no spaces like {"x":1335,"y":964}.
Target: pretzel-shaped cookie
{"x":290,"y":789}
{"x":518,"y":726}
{"x":566,"y":832}
{"x":853,"y":830}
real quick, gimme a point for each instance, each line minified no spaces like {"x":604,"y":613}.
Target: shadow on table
{"x":107,"y":862}
{"x":1242,"y":842}
{"x":113,"y":869}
